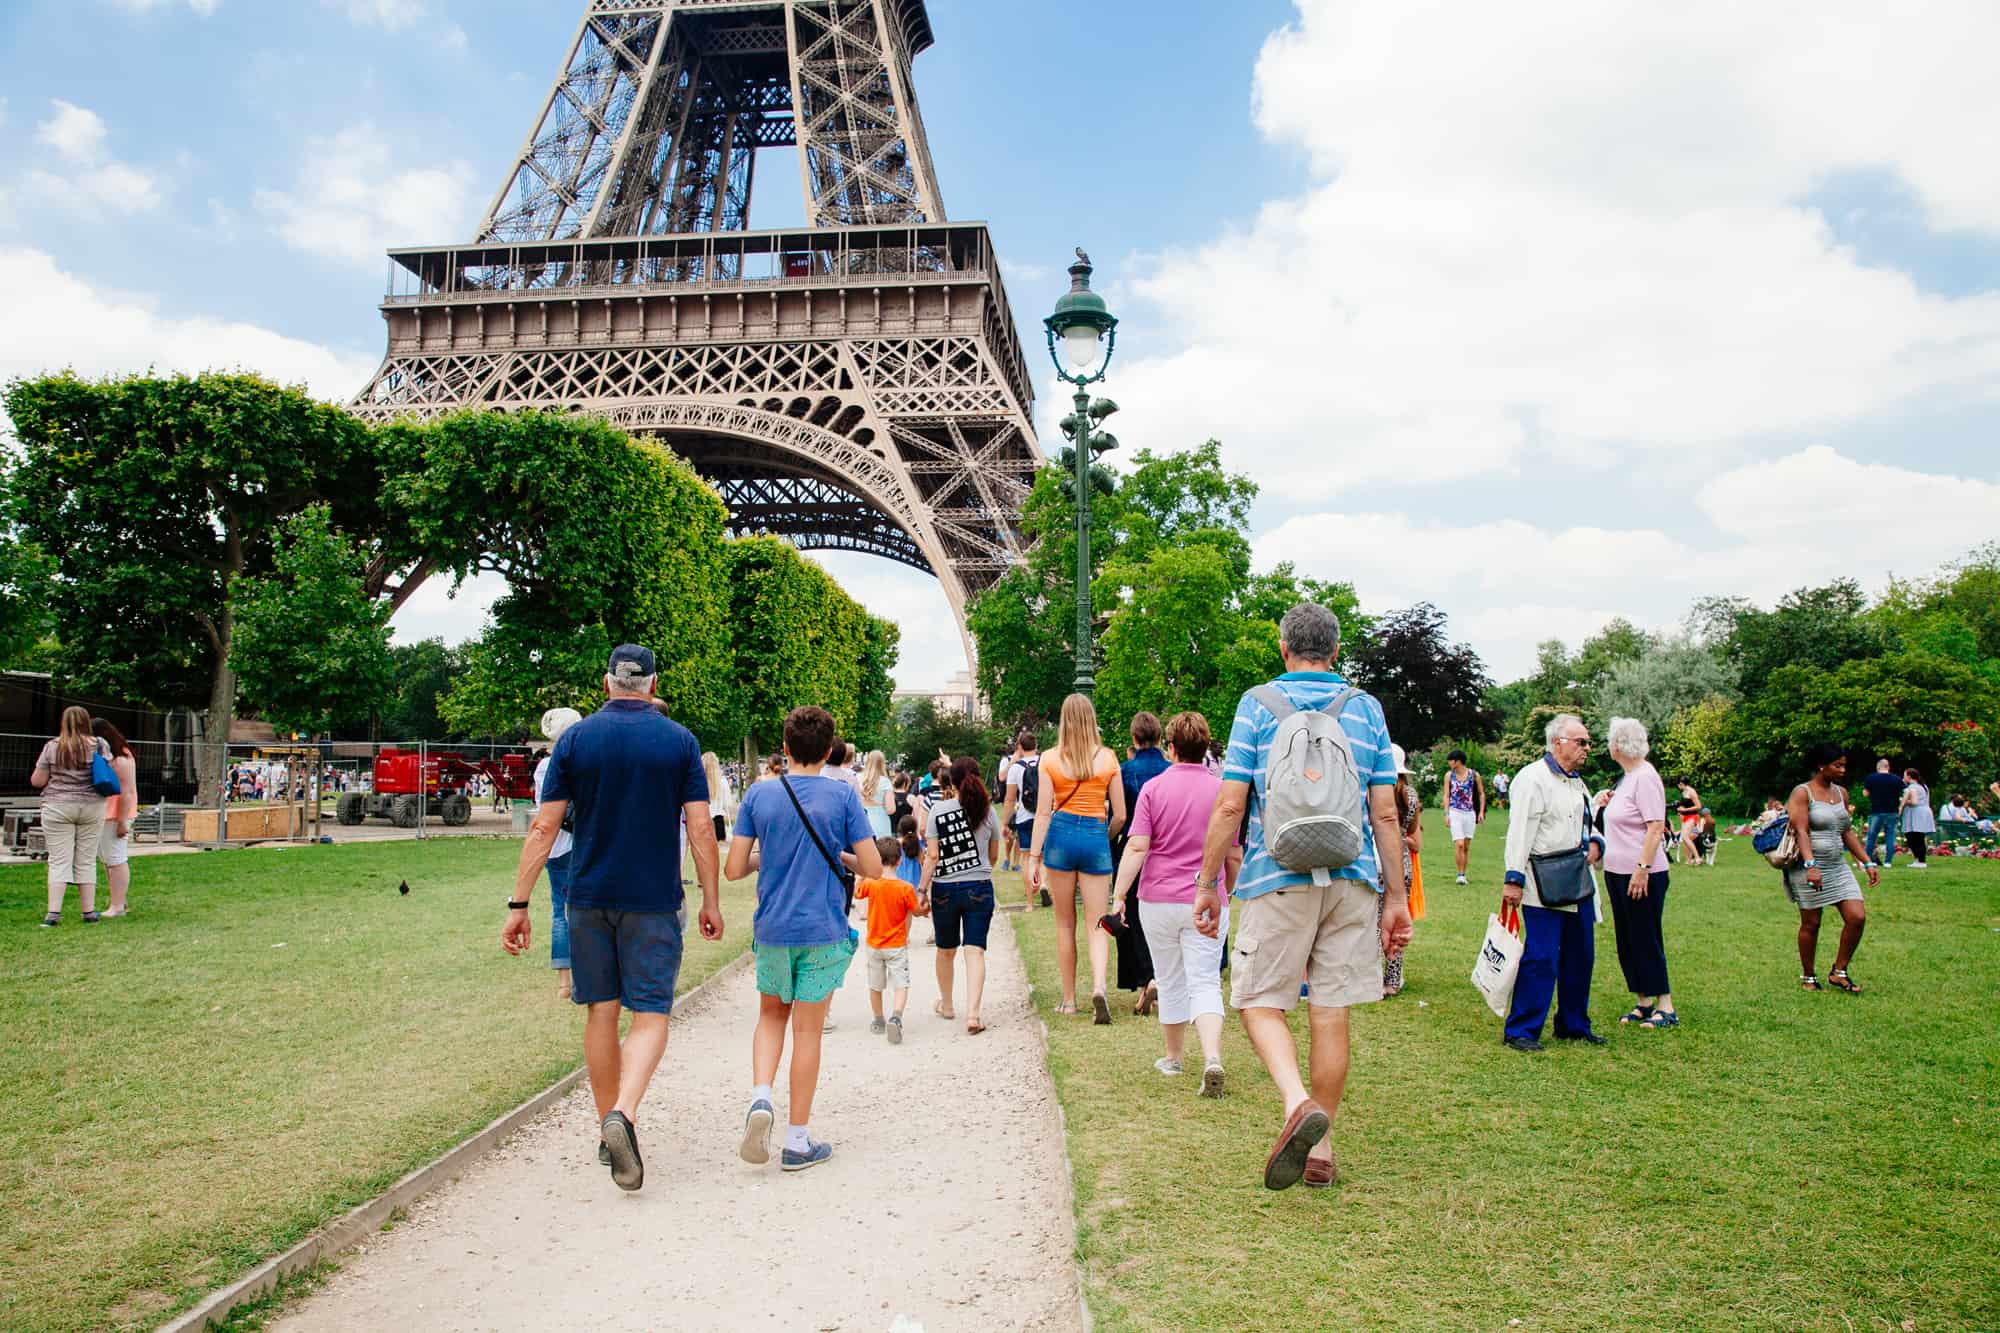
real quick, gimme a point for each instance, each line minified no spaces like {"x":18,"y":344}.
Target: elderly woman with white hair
{"x":554,"y":723}
{"x":1551,"y":848}
{"x":1635,"y":874}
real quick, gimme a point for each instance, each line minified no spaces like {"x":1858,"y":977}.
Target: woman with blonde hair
{"x":72,"y":813}
{"x":721,"y":796}
{"x":878,"y":795}
{"x":1081,"y":804}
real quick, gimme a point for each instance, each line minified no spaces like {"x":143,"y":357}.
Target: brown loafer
{"x":1320,"y":1174}
{"x":1304,"y":1127}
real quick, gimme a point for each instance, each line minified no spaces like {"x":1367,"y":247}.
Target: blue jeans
{"x":1556,"y":963}
{"x":559,"y":902}
{"x":1887,"y":826}
{"x":1077,"y":842}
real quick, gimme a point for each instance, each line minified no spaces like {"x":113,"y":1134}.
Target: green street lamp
{"x":1088,"y":333}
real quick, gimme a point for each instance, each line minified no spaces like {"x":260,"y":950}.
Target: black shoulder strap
{"x":839,"y":871}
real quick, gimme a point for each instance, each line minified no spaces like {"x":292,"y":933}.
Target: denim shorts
{"x":631,"y":957}
{"x":1077,"y":842}
{"x":804,"y":974}
{"x":962,"y":913}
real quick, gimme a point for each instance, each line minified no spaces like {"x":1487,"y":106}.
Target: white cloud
{"x":433,"y":613}
{"x":1508,"y":583}
{"x":351,"y":203}
{"x":1572,"y":231}
{"x":96,"y":183}
{"x":70,"y":324}
{"x":393,"y":15}
{"x":456,"y":39}
{"x":930,"y":651}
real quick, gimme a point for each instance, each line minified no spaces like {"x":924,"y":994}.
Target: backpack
{"x":1031,"y":783}
{"x":1314,"y":816}
{"x":902,"y":808}
{"x":1773,"y":839}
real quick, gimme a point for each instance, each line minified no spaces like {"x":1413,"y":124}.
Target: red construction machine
{"x":442,"y":783}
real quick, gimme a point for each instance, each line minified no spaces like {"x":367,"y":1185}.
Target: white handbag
{"x":1499,"y":961}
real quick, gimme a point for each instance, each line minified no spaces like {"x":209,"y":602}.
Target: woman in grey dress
{"x":1822,"y":878}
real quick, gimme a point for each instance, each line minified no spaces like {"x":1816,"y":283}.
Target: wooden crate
{"x":247,"y":823}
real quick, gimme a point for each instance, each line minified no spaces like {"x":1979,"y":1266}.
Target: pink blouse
{"x":1641,"y":799}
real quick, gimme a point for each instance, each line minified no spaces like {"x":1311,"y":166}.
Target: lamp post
{"x":1089,"y":334}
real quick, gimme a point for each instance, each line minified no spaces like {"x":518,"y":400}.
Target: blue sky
{"x":1544,"y":316}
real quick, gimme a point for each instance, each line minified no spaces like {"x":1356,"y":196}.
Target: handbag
{"x":840,"y":872}
{"x":1499,"y":962}
{"x":1563,"y":879}
{"x":103,"y":777}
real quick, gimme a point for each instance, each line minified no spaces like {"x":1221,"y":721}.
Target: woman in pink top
{"x":1635,"y":874}
{"x":1163,"y":856}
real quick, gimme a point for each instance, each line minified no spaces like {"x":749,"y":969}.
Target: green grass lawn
{"x":271,"y":1038}
{"x":1783,"y":1160}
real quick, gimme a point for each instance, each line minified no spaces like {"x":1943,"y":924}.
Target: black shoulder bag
{"x":1563,"y":878}
{"x":840,"y":872}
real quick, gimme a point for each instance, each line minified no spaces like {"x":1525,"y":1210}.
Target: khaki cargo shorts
{"x":1326,"y":937}
{"x":888,"y":969}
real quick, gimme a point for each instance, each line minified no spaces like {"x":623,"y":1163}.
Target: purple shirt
{"x":1641,"y":798}
{"x":1173,"y":811}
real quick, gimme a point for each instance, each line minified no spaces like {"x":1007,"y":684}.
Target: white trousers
{"x":1187,"y":965}
{"x":71,"y":830}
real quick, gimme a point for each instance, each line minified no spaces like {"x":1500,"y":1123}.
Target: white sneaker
{"x":1167,"y":1067}
{"x":1920,"y":865}
{"x":1461,"y":879}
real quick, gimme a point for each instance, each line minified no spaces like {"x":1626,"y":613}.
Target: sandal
{"x":974,"y":1026}
{"x":91,"y":918}
{"x":51,"y":920}
{"x":1066,"y":1008}
{"x":942,"y":1012}
{"x":1809,"y":983}
{"x":1839,"y":980}
{"x":1640,"y":1013}
{"x":1145,"y":1005}
{"x":1662,"y":1018}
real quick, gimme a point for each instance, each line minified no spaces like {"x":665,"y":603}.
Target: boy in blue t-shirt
{"x":800,"y":934}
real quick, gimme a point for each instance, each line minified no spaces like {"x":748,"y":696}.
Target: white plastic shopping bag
{"x":1499,"y":961}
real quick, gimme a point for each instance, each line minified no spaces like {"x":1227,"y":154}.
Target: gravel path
{"x":946,"y":1205}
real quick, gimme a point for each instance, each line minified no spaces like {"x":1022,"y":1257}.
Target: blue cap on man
{"x":631,"y":662}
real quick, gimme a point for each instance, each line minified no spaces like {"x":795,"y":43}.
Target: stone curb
{"x":352,"y":1228}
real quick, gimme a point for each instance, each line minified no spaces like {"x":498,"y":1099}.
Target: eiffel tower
{"x":856,"y":385}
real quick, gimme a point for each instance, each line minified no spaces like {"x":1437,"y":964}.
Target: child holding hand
{"x":891,"y":904}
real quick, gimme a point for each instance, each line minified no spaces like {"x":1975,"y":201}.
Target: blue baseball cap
{"x":631,"y":662}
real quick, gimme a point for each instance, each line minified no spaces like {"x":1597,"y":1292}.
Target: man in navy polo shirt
{"x":632,"y":775}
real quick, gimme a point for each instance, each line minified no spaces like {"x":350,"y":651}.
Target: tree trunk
{"x":212,"y":759}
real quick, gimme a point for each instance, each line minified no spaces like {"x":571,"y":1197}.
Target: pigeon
{"x":1081,"y":255}
{"x":404,"y":888}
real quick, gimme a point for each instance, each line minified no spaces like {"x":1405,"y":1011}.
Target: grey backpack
{"x":1314,"y":813}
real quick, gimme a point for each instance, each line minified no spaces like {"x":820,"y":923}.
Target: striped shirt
{"x":1249,"y":756}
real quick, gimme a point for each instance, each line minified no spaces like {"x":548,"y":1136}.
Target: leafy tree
{"x":796,"y":638}
{"x":27,"y":592}
{"x":602,"y":539}
{"x":423,"y":672}
{"x":1820,"y":627}
{"x":1968,"y":757}
{"x":1669,"y":677}
{"x":918,"y":731}
{"x":1619,"y":642}
{"x":878,"y":683}
{"x":155,"y":497}
{"x":1699,"y":743}
{"x":312,"y":648}
{"x":1429,"y":687}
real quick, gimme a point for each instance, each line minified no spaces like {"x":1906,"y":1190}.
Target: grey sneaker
{"x":896,"y":1030}
{"x":1211,"y":1079}
{"x":756,"y":1146}
{"x":829,"y":1024}
{"x":603,"y":1153}
{"x":876,"y":1026}
{"x":814,"y":1154}
{"x":1167,"y":1067}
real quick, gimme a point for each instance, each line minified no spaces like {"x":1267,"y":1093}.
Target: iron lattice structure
{"x":858,"y":384}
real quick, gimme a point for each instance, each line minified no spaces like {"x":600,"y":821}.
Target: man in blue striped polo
{"x":1289,"y":928}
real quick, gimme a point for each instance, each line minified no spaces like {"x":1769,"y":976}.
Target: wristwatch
{"x":1809,"y":865}
{"x":520,"y":906}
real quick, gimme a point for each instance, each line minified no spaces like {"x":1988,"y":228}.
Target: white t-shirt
{"x":561,"y":846}
{"x":1016,"y":775}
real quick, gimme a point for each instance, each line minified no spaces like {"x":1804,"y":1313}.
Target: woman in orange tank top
{"x":1080,"y":806}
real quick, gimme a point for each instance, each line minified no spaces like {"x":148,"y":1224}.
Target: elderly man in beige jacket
{"x":1551,"y":813}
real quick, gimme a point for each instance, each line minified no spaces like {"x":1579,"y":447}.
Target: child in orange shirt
{"x":891,"y":904}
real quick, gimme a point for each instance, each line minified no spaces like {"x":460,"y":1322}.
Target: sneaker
{"x":621,"y":1142}
{"x":829,"y":1024}
{"x":1168,"y":1067}
{"x":1461,"y":879}
{"x":896,"y":1030}
{"x":90,"y":918}
{"x":1920,"y":865}
{"x":1211,"y":1079}
{"x":814,"y":1154}
{"x":876,"y":1026}
{"x":52,"y":920}
{"x":756,"y":1146}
